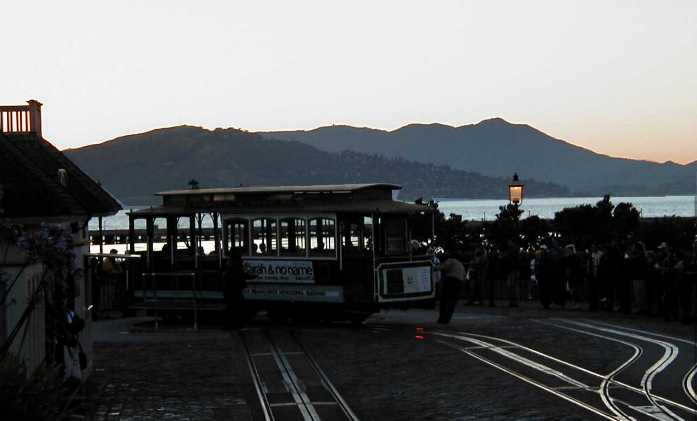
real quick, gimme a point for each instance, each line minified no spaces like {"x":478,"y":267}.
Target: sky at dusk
{"x":618,"y":77}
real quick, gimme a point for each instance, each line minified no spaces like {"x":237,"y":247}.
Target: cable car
{"x":342,"y":250}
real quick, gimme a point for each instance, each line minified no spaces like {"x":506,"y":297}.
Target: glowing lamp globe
{"x":515,"y":191}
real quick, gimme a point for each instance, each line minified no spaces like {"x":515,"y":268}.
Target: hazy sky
{"x":619,"y":77}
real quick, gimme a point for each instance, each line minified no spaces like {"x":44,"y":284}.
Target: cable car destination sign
{"x":283,"y":271}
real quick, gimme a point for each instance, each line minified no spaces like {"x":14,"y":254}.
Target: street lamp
{"x":515,"y":191}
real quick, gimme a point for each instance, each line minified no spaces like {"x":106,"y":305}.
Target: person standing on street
{"x":452,"y":280}
{"x":593,"y":272}
{"x":687,"y":287}
{"x":435,"y":265}
{"x":478,"y":272}
{"x":235,"y":279}
{"x":542,"y":275}
{"x":511,"y":262}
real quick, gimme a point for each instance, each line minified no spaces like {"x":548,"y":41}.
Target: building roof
{"x":317,"y":188}
{"x":31,"y":188}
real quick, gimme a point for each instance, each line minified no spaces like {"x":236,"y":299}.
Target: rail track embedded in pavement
{"x":289,"y":382}
{"x":641,"y":387}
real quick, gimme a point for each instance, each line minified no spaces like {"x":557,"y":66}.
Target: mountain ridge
{"x":497,"y":148}
{"x":135,"y":166}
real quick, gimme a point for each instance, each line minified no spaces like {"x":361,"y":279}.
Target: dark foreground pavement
{"x":489,"y":364}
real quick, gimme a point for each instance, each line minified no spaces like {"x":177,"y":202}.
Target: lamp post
{"x":515,"y":191}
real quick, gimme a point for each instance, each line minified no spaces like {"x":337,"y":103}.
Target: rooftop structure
{"x":36,"y":180}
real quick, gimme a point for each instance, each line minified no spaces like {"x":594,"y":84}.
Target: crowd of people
{"x":625,"y":277}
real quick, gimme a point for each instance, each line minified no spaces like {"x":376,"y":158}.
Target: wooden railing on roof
{"x":21,"y":118}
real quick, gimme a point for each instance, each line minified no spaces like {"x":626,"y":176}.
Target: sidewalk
{"x":534,"y":310}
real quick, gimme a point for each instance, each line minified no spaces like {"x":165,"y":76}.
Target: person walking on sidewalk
{"x":452,"y":280}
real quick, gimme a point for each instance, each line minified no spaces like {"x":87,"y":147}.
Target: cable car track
{"x":520,"y":376}
{"x":607,"y":379}
{"x":670,"y":353}
{"x":610,"y":377}
{"x":689,"y":377}
{"x":288,"y":381}
{"x":660,"y":407}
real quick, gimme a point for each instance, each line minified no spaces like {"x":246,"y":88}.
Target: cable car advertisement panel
{"x":405,"y":280}
{"x":280,"y":271}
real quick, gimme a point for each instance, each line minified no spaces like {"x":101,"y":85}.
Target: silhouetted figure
{"x":638,"y":269}
{"x":489,"y":282}
{"x":666,"y":266}
{"x":511,"y":264}
{"x":452,"y":279}
{"x":593,"y":275}
{"x":235,"y":281}
{"x":555,"y":275}
{"x":543,"y":274}
{"x":612,"y":273}
{"x":688,"y":285}
{"x":477,"y":275}
{"x":573,"y":274}
{"x":653,"y":280}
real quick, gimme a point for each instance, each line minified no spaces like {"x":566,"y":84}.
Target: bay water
{"x":486,"y":209}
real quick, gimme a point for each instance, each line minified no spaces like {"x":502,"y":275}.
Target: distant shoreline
{"x":599,"y":197}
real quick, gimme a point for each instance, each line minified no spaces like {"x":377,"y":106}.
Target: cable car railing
{"x":154,"y":300}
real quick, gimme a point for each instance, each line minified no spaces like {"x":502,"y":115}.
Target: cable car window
{"x":264,"y":239}
{"x":140,"y":240}
{"x":159,"y":235}
{"x":184,"y":233}
{"x":395,"y":236}
{"x":292,"y":233}
{"x":368,"y":232}
{"x":237,"y":235}
{"x":322,"y":241}
{"x":353,"y":235}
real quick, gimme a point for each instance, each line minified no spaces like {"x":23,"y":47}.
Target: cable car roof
{"x":316,"y":188}
{"x":286,"y":200}
{"x":364,"y":207}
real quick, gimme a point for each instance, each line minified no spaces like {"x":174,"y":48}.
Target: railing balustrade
{"x":21,"y":118}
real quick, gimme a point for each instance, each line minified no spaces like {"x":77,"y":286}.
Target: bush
{"x":39,"y":397}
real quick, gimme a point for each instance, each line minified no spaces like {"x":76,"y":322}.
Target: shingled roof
{"x":30,"y":184}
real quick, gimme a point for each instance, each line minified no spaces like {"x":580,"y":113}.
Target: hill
{"x":498,"y":148}
{"x":136,"y":166}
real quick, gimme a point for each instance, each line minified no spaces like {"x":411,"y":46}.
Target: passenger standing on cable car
{"x":452,"y":280}
{"x":235,"y":279}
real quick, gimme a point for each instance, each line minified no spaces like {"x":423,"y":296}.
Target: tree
{"x":534,"y":231}
{"x":506,"y":226}
{"x":625,"y":221}
{"x":577,"y":225}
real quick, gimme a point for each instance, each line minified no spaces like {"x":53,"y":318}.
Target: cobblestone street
{"x":174,"y":375}
{"x":384,"y":371}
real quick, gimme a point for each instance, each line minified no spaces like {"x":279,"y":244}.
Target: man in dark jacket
{"x":235,"y":281}
{"x":452,"y":279}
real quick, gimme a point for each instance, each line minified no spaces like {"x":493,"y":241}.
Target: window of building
{"x":292,"y":234}
{"x":264,"y":237}
{"x":322,"y":236}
